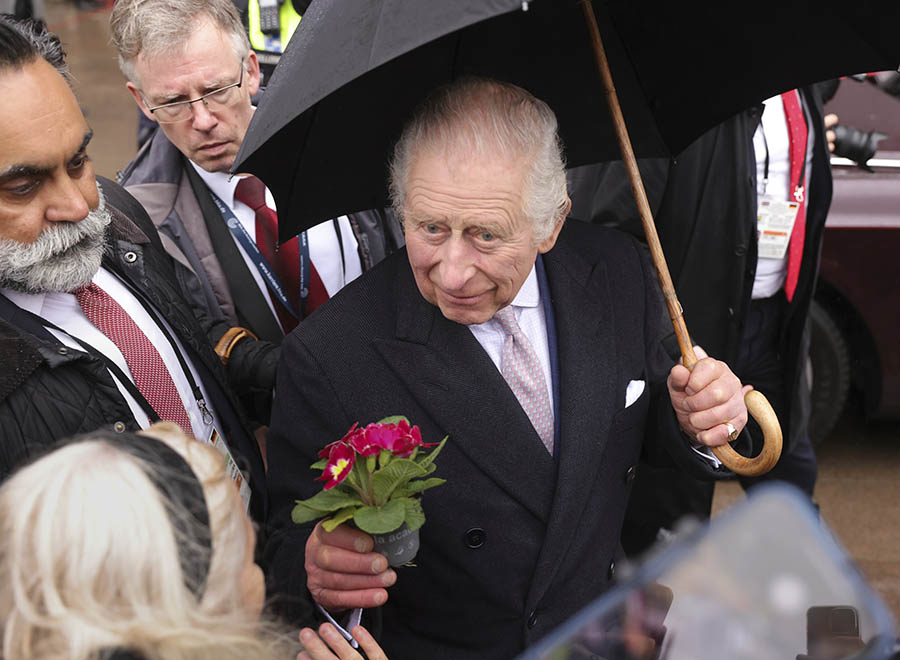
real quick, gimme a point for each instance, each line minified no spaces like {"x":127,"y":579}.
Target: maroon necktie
{"x":798,"y":135}
{"x":147,"y":368}
{"x":284,"y":259}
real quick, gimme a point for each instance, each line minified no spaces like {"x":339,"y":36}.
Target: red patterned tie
{"x":522,"y":370}
{"x":798,"y":135}
{"x":147,"y":367}
{"x":284,"y":259}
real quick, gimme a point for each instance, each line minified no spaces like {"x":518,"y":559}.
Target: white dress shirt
{"x":63,"y":310}
{"x":530,"y":316}
{"x":324,"y":247}
{"x":772,"y":133}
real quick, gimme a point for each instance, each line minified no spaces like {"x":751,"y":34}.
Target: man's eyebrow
{"x":88,"y":136}
{"x":24,"y":170}
{"x":16,"y":171}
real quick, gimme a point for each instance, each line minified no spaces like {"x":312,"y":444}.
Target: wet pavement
{"x":859,"y":475}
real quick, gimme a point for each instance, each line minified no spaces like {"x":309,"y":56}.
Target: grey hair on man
{"x":476,"y":117}
{"x":23,"y":41}
{"x":155,"y":27}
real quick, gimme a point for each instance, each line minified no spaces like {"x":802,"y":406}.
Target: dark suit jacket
{"x":514,"y":542}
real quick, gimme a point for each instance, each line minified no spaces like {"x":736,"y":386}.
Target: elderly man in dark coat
{"x":540,"y":457}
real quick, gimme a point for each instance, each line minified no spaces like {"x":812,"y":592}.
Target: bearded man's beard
{"x":65,"y":256}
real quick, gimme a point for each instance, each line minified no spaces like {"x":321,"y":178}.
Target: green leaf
{"x":331,"y":500}
{"x":398,"y":472}
{"x":319,"y":465}
{"x":393,"y":419}
{"x":417,"y":486}
{"x":303,"y":514}
{"x":341,"y":516}
{"x":380,"y":520}
{"x":413,"y":515}
{"x":371,"y":463}
{"x":428,"y":460}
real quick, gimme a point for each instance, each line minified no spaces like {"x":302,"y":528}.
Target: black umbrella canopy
{"x":354,"y":72}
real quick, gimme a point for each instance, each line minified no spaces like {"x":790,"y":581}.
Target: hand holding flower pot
{"x":374,"y":476}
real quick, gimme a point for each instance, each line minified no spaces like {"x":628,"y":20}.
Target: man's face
{"x":47,"y":185}
{"x":211,"y":136}
{"x":470,"y":246}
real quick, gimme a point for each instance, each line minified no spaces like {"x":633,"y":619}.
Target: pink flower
{"x":399,"y":438}
{"x":340,"y":462}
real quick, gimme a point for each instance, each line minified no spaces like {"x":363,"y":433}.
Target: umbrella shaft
{"x":676,"y":313}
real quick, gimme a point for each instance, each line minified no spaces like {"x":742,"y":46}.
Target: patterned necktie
{"x":798,"y":134}
{"x":522,"y":370}
{"x":147,"y":368}
{"x":284,"y":259}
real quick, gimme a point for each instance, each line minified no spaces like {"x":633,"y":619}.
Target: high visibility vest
{"x":271,"y":43}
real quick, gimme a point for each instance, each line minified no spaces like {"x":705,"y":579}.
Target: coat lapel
{"x":449,"y":374}
{"x":585,"y":325}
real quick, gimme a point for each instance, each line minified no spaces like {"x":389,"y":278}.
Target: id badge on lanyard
{"x":231,"y":467}
{"x":775,"y":224}
{"x":775,"y":216}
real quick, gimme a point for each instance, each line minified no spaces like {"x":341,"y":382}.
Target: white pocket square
{"x":633,"y":391}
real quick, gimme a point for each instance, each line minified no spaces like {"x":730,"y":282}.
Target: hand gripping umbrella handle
{"x":757,"y":405}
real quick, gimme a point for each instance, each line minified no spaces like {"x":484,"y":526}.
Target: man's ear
{"x":547,"y":244}
{"x":252,"y":75}
{"x":136,"y":95}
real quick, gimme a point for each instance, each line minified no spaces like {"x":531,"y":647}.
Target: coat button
{"x":119,"y":427}
{"x":130,"y":257}
{"x":611,"y":572}
{"x":62,"y":350}
{"x":475,"y":538}
{"x":740,"y":250}
{"x":629,"y":474}
{"x":532,"y":620}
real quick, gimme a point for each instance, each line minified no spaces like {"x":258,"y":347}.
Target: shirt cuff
{"x":351,"y":620}
{"x":706,"y":453}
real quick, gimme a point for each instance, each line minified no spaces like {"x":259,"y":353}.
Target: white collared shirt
{"x":530,"y":316}
{"x":324,"y":247}
{"x":63,"y":310}
{"x":772,"y":136}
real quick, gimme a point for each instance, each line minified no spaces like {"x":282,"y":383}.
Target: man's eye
{"x":486,"y":236}
{"x":78,"y":162}
{"x":21,"y":190}
{"x":432,"y":229}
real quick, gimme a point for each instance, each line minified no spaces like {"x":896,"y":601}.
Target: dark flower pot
{"x":399,"y":546}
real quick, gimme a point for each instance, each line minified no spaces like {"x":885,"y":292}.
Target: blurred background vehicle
{"x":855,"y":355}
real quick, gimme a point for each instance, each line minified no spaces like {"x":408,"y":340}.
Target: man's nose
{"x":68,"y":203}
{"x":202,"y":119}
{"x":457,"y":264}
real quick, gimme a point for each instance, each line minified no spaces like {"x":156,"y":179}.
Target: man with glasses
{"x":190,"y":68}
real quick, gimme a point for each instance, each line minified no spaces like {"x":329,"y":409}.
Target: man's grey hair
{"x":485,"y":118}
{"x":24,"y":41}
{"x":157,"y":27}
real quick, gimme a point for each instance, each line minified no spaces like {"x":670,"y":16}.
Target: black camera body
{"x":859,"y":146}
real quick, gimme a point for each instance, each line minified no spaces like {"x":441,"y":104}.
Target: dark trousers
{"x":759,"y":364}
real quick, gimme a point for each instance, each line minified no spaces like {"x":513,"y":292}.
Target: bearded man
{"x":93,"y":329}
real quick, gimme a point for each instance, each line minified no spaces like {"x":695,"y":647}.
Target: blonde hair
{"x":89,"y":560}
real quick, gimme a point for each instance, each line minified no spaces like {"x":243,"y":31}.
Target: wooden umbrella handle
{"x":757,"y":405}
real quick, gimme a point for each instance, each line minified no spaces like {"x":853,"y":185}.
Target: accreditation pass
{"x":775,"y":222}
{"x":231,"y":468}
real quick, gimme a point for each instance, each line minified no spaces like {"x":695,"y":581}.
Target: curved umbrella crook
{"x":757,"y":404}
